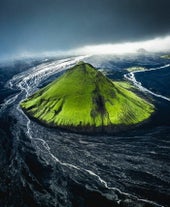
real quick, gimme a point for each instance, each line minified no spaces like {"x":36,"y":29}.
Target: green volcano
{"x":83,"y":97}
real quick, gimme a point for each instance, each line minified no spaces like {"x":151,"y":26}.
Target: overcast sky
{"x":53,"y":25}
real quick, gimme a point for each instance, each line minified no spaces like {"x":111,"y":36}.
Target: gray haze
{"x":53,"y":25}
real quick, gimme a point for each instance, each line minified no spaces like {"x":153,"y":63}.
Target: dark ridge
{"x":60,"y":108}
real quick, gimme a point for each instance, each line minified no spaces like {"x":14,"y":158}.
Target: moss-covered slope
{"x":83,"y":96}
{"x":166,"y":56}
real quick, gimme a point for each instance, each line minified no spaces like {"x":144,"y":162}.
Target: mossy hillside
{"x":135,"y":68}
{"x":166,"y":56}
{"x":83,"y":96}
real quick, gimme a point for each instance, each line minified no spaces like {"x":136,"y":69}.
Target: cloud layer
{"x":36,"y":26}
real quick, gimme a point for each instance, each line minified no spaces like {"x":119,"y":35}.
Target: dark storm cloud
{"x":42,"y":25}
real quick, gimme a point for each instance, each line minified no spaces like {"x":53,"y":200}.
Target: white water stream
{"x":131,"y":77}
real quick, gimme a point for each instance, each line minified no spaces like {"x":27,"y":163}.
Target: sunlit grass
{"x":137,"y":68}
{"x":165,"y":56}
